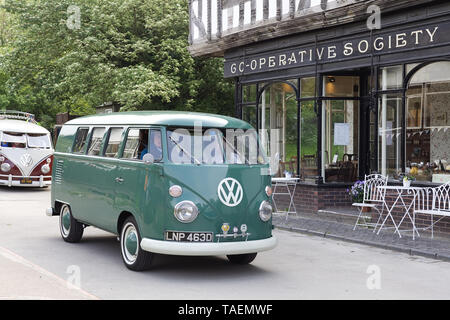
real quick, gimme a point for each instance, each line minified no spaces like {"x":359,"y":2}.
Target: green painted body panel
{"x":88,"y":184}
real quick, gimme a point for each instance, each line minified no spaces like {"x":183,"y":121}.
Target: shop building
{"x":350,"y":87}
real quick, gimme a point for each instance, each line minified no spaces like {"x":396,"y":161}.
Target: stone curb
{"x":410,"y":251}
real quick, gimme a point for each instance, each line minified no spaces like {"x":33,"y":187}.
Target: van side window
{"x":96,"y":141}
{"x":80,"y":140}
{"x":112,"y":149}
{"x":155,"y":145}
{"x":136,"y":144}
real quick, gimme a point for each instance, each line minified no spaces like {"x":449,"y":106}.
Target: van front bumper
{"x":207,"y":248}
{"x":14,"y":181}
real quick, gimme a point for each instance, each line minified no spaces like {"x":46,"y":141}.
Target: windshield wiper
{"x":184,"y":150}
{"x":235,"y":150}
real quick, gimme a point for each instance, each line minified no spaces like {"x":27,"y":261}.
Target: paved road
{"x":35,"y":263}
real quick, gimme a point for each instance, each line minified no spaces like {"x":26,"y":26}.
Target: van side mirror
{"x":148,"y":158}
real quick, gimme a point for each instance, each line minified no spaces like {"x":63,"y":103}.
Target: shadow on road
{"x":108,"y":248}
{"x":12,"y":190}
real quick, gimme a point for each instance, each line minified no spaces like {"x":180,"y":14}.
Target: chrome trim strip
{"x":207,"y":248}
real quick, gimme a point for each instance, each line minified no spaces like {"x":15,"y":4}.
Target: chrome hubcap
{"x":130,"y":246}
{"x":65,"y":221}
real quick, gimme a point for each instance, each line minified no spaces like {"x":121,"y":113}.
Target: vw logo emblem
{"x":230,"y":192}
{"x":26,"y":160}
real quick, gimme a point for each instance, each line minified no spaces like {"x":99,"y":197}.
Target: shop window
{"x":391,"y":78}
{"x":249,"y":115}
{"x":341,"y":139}
{"x":308,"y":138}
{"x":308,"y":88}
{"x":390,"y":134}
{"x":340,"y":129}
{"x":279,"y":123}
{"x":249,"y":93}
{"x":428,"y":121}
{"x":341,"y":86}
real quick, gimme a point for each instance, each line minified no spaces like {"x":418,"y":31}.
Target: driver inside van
{"x":143,"y":143}
{"x":155,"y":144}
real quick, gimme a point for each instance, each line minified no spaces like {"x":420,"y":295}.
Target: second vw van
{"x":172,"y":183}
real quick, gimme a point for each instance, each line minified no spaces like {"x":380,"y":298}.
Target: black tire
{"x":133,"y":256}
{"x":242,"y":258}
{"x":71,"y":230}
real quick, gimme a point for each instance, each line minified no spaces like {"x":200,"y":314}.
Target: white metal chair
{"x":438,"y":206}
{"x":373,"y":196}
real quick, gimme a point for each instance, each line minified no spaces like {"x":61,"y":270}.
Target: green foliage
{"x":131,"y":52}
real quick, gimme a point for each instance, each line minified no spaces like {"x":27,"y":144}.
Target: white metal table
{"x":402,"y":192}
{"x":285,"y":183}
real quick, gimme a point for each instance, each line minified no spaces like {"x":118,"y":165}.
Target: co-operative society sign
{"x":404,"y":40}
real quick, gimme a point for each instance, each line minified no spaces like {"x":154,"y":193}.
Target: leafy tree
{"x":131,"y":52}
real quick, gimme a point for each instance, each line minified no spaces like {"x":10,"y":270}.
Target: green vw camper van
{"x":165,"y":182}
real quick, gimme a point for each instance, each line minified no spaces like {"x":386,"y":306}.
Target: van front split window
{"x":39,"y":141}
{"x":214,"y":146}
{"x":13,"y":140}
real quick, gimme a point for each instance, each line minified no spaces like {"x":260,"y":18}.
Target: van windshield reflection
{"x":214,"y":146}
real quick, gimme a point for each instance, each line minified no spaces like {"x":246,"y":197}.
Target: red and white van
{"x":26,"y":151}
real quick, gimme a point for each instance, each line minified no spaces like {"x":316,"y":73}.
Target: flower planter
{"x":366,"y":209}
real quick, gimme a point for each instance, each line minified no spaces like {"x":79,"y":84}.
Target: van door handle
{"x":119,"y":180}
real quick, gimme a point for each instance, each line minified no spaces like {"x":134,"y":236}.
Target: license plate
{"x":182,"y":236}
{"x":26,"y":181}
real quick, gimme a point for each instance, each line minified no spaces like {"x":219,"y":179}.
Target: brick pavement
{"x":437,"y":248}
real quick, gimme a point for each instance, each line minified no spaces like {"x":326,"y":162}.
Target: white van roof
{"x":21,"y":126}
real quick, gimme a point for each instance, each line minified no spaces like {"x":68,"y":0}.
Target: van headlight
{"x":5,"y":167}
{"x":185,"y":211}
{"x":45,"y":169}
{"x":265,"y":211}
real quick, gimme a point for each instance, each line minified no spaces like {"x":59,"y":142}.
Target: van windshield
{"x":41,"y":141}
{"x":22,"y":140}
{"x":214,"y":146}
{"x":13,"y":140}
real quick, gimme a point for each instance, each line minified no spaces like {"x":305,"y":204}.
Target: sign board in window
{"x":341,"y":134}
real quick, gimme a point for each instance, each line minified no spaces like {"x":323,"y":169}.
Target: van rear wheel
{"x":242,"y":258}
{"x":133,"y":256}
{"x":71,"y":230}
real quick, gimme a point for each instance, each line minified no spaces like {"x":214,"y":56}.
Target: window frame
{"x":84,"y":148}
{"x":101,"y":147}
{"x":149,"y":128}
{"x":106,"y":142}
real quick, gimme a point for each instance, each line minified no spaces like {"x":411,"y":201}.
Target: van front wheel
{"x":133,"y":256}
{"x":71,"y":230}
{"x":242,"y":258}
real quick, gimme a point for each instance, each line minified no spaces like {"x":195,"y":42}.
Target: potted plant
{"x":288,"y":174}
{"x":356,"y":192}
{"x":407,"y":178}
